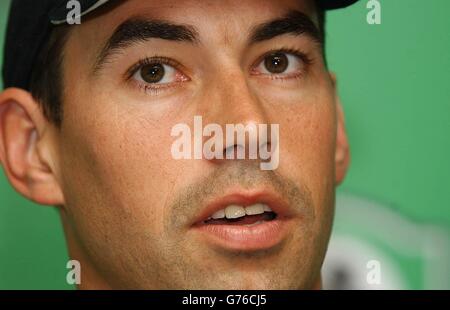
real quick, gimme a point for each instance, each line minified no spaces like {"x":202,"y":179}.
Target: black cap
{"x":30,"y":23}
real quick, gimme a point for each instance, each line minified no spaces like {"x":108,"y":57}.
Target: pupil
{"x":152,"y":73}
{"x":276,"y":63}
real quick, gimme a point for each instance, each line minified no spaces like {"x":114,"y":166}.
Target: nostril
{"x":235,"y":151}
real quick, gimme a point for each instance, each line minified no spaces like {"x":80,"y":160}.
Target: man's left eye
{"x":280,"y":63}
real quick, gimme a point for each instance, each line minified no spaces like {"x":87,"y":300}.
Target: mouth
{"x":245,"y":221}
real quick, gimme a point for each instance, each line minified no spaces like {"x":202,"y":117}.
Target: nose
{"x":230,"y":102}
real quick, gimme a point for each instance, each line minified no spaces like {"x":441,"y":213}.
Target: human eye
{"x":282,"y":64}
{"x":156,"y":74}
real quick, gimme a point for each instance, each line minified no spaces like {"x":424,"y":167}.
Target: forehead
{"x":213,"y":19}
{"x":190,"y":10}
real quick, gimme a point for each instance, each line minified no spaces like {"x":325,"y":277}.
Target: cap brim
{"x":59,"y":14}
{"x":335,"y":4}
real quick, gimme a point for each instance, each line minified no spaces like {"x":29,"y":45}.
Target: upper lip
{"x":245,"y":198}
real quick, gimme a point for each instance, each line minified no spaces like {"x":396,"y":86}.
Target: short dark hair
{"x":46,"y":84}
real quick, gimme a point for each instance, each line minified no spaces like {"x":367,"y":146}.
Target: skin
{"x":125,"y":204}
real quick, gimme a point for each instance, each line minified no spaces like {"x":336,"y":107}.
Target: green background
{"x":394,"y":84}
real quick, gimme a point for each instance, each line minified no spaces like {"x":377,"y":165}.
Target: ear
{"x":342,"y":153}
{"x":25,"y":148}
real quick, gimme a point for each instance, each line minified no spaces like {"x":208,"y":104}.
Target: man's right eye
{"x":156,"y":73}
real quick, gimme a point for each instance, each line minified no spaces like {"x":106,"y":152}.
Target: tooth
{"x":234,"y":211}
{"x":257,"y":208}
{"x":219,"y":214}
{"x":266,"y":208}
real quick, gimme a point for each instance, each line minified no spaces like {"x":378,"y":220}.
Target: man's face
{"x":135,"y":216}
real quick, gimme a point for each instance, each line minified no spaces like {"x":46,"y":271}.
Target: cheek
{"x":307,"y":143}
{"x":312,"y":146}
{"x":117,"y":167}
{"x":309,"y":147}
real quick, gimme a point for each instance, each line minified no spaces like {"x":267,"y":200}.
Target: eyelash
{"x":307,"y":61}
{"x":156,"y":89}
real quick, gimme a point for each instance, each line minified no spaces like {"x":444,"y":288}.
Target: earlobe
{"x":24,"y":144}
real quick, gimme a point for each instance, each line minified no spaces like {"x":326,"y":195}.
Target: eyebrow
{"x":294,"y":22}
{"x":137,"y":30}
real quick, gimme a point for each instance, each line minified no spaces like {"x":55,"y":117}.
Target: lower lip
{"x":262,"y":236}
